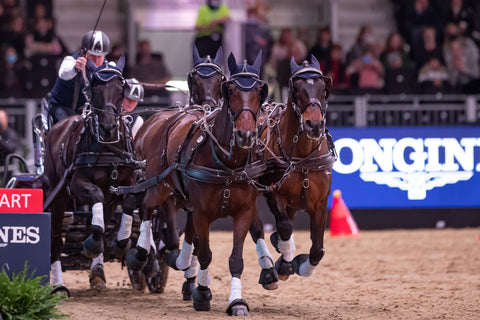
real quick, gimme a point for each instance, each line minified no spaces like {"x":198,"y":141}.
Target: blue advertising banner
{"x":25,"y":237}
{"x":407,"y":167}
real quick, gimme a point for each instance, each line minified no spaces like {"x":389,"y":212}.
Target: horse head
{"x":204,"y":81}
{"x":106,"y":96}
{"x":309,"y":90}
{"x":243,"y":95}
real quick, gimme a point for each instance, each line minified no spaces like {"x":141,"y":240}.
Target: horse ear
{"x":315,"y":62}
{"x":91,"y":64}
{"x":218,"y":57}
{"x":196,"y":55}
{"x":232,"y":63}
{"x":121,"y":63}
{"x":293,"y":66}
{"x":258,"y":61}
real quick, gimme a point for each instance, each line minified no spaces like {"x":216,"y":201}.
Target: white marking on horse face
{"x":310,"y":81}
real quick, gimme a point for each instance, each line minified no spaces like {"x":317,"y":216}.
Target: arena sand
{"x":404,"y":274}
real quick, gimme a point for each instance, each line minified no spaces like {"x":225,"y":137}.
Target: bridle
{"x":200,"y":70}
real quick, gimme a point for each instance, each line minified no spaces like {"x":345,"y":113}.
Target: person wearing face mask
{"x":95,"y":46}
{"x":13,"y":74}
{"x":209,"y":27}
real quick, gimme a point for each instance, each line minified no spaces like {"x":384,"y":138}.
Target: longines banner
{"x":407,"y":167}
{"x":24,"y":232}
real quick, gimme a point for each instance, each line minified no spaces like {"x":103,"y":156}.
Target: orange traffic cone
{"x":341,"y":220}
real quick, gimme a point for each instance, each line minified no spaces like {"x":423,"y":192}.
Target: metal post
{"x":471,"y":109}
{"x":30,"y":111}
{"x":360,"y":111}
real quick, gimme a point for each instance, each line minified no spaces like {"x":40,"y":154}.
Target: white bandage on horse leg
{"x":185,"y":256}
{"x":57,"y":278}
{"x":97,"y":215}
{"x":287,"y":248}
{"x":125,"y":227}
{"x":161,"y":245}
{"x":145,"y":235}
{"x":152,"y":243}
{"x":235,"y":290}
{"x":97,"y":260}
{"x":204,"y":277}
{"x":265,"y":259}
{"x":193,"y":270}
{"x":306,"y":269}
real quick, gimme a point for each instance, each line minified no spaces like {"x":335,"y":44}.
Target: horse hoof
{"x":284,"y":268}
{"x":297,"y":262}
{"x":187,"y":290}
{"x":121,"y":247}
{"x":92,"y":248}
{"x":201,"y":298}
{"x":152,"y":267}
{"x":133,"y":261}
{"x":157,"y":283}
{"x":97,"y":277}
{"x":238,"y":307}
{"x":137,"y":280}
{"x":274,"y":237}
{"x":62,"y":290}
{"x":171,"y":258}
{"x":269,"y":279}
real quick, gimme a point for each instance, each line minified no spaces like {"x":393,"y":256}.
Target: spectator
{"x":428,"y":49}
{"x":15,"y":35}
{"x":461,"y":57}
{"x":115,"y":54}
{"x":399,"y":73}
{"x":42,"y":40}
{"x":462,"y":15}
{"x":433,"y":77}
{"x":9,"y":139}
{"x":363,"y":42}
{"x":209,"y":26}
{"x":336,"y":68}
{"x":13,"y":73}
{"x":257,"y":37}
{"x":369,"y":72}
{"x":321,"y":49}
{"x":150,"y":67}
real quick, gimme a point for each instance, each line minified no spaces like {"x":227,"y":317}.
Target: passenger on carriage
{"x":133,"y":94}
{"x":72,"y":75}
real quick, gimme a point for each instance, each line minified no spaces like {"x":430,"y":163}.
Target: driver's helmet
{"x":133,"y":90}
{"x":96,"y":43}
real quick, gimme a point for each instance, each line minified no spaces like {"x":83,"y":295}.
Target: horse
{"x":204,"y":83}
{"x":205,"y":158}
{"x":85,"y":155}
{"x":299,"y":153}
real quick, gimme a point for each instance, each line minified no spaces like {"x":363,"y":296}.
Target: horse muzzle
{"x":314,"y":129}
{"x":245,"y":139}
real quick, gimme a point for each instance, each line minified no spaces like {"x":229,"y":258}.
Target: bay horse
{"x":300,"y":154}
{"x":85,"y":155}
{"x":204,"y":83}
{"x":207,"y":159}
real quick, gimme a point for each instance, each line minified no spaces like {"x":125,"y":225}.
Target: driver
{"x":95,"y":45}
{"x":133,"y":94}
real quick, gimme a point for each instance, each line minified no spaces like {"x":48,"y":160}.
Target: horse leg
{"x":57,"y":211}
{"x":268,"y":276}
{"x":122,"y":241}
{"x":202,"y":294}
{"x":236,"y":305}
{"x":282,"y":239}
{"x":191,"y":273}
{"x":303,"y":264}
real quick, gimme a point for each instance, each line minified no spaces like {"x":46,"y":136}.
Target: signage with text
{"x":21,"y":200}
{"x":405,"y":167}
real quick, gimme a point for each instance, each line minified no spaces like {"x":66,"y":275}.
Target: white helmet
{"x":97,"y":43}
{"x":133,"y":89}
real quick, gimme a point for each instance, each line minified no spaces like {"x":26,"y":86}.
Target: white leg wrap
{"x":125,"y":227}
{"x":203,"y":277}
{"x":145,"y":235}
{"x":152,"y":243}
{"x":265,"y":259}
{"x":306,"y":269}
{"x":57,"y":278}
{"x":185,"y":256}
{"x":287,"y":248}
{"x":235,"y":290}
{"x":161,"y":245}
{"x":97,"y":260}
{"x":193,"y":270}
{"x":97,"y":215}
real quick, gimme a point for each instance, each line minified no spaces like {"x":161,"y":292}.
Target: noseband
{"x":91,"y":114}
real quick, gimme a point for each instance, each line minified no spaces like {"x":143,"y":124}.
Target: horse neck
{"x":289,"y":127}
{"x":223,"y":132}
